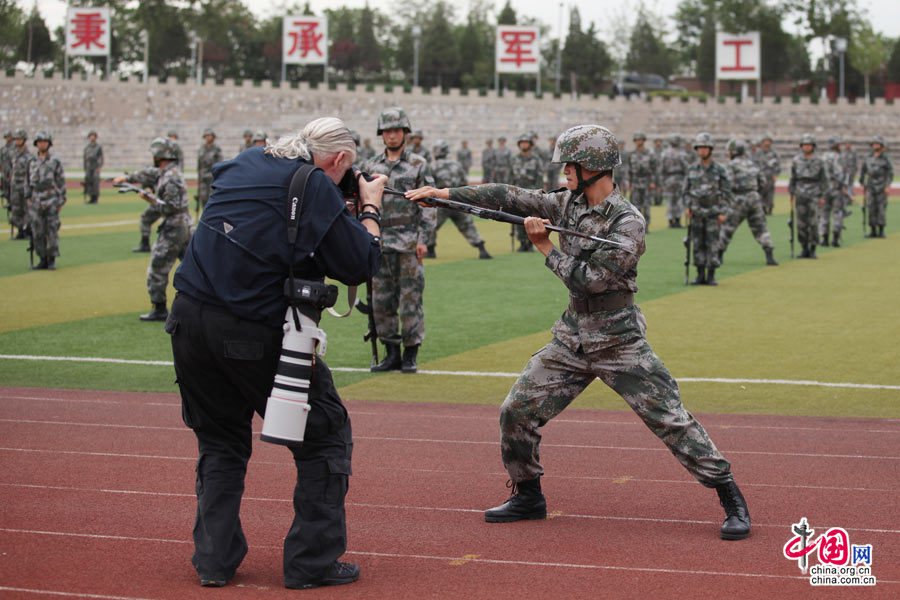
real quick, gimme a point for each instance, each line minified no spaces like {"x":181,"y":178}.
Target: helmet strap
{"x":584,"y":184}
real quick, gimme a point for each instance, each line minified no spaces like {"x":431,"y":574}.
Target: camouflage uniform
{"x":503,"y":158}
{"x":449,"y":173}
{"x":400,"y":282}
{"x":464,"y":158}
{"x":174,"y":233}
{"x":658,"y":149}
{"x":643,"y":170}
{"x":553,"y":170}
{"x":6,"y":167}
{"x":850,"y":165}
{"x":770,"y":166}
{"x":93,"y":161}
{"x":808,"y":184}
{"x":367,"y":152}
{"x":487,"y":163}
{"x":835,"y":196}
{"x":179,"y":153}
{"x":18,"y":187}
{"x":707,"y":194}
{"x":46,"y":193}
{"x":207,"y":156}
{"x":421,"y":151}
{"x":876,"y":174}
{"x":673,"y":166}
{"x":746,"y":181}
{"x":620,"y":173}
{"x":527,"y":173}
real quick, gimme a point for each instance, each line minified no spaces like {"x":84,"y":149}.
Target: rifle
{"x":791,"y":226}
{"x":372,"y":334}
{"x":687,"y":255}
{"x":124,"y":188}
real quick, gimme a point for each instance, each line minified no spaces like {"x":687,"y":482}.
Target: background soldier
{"x":643,"y":175}
{"x":657,"y":152}
{"x":449,"y":173}
{"x":6,"y":165}
{"x":876,"y":175}
{"x":673,"y":165}
{"x":528,"y":174}
{"x":406,"y":229}
{"x":46,"y":195}
{"x":464,"y":158}
{"x":807,"y":188}
{"x":770,"y":165}
{"x":208,"y":155}
{"x":258,"y":138}
{"x":367,"y":150}
{"x":175,"y":232}
{"x":552,"y":169}
{"x":835,"y":196}
{"x":487,"y":161}
{"x":173,"y":136}
{"x":18,"y":184}
{"x":502,"y":162}
{"x":620,"y":174}
{"x":850,"y":165}
{"x":360,"y":159}
{"x":746,"y":181}
{"x":248,"y":136}
{"x":707,"y":195}
{"x":691,"y":154}
{"x":416,"y":147}
{"x":93,"y":161}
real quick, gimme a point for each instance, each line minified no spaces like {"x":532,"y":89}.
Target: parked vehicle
{"x":630,"y":84}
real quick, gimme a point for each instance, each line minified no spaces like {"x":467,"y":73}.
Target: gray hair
{"x":323,"y":137}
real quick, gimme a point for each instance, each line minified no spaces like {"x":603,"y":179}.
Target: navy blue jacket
{"x":239,"y":255}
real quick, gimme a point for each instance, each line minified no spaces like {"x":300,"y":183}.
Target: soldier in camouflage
{"x":746,"y":181}
{"x":174,"y":233}
{"x":643,"y":175}
{"x":601,"y":334}
{"x":416,"y":147}
{"x":527,"y":173}
{"x":807,"y":187}
{"x":692,"y":157}
{"x":552,"y":168}
{"x":405,"y":231}
{"x":658,"y":148}
{"x":46,"y":193}
{"x":92,"y":158}
{"x":464,"y":157}
{"x":850,"y":165}
{"x":876,"y":176}
{"x":6,"y":165}
{"x":502,"y":162}
{"x":367,"y":150}
{"x":18,"y":184}
{"x":835,"y":196}
{"x":449,"y":173}
{"x":179,"y":153}
{"x":770,"y":165}
{"x":673,"y":166}
{"x":248,"y":136}
{"x":487,"y":161}
{"x":208,"y":155}
{"x":620,"y":174}
{"x":259,"y":138}
{"x":707,"y":197}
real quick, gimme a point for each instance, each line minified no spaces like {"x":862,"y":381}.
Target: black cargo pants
{"x":225,"y":367}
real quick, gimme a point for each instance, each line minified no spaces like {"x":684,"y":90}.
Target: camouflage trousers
{"x":767,"y":197}
{"x":705,"y":232}
{"x":833,"y":210}
{"x":204,"y":189}
{"x":92,"y":182}
{"x":657,"y":196}
{"x":555,"y":376}
{"x":150,"y":216}
{"x":521,"y":234}
{"x":746,"y":206}
{"x":671,"y":190}
{"x":171,"y":241}
{"x":503,"y":175}
{"x":18,"y":205}
{"x":807,"y":220}
{"x":397,"y":299}
{"x":464,"y":223}
{"x":876,"y":204}
{"x":641,"y":197}
{"x":43,"y":217}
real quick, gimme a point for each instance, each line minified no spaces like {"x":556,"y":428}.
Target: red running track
{"x":97,"y":497}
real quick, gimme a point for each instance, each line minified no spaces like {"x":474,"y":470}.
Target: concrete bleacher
{"x":129,"y":114}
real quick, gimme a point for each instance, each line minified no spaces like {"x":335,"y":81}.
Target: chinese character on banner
{"x":518,"y":49}
{"x":87,"y":31}
{"x":304,"y":40}
{"x":737,"y":55}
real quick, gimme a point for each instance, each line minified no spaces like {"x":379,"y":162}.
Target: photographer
{"x":226,"y":327}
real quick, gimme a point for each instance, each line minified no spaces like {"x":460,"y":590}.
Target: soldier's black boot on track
{"x":144,"y":246}
{"x":408,"y":364}
{"x":812,"y":252}
{"x":737,"y":517}
{"x":159,"y":313}
{"x":391,"y":360}
{"x":51,"y":264}
{"x":872,"y":233}
{"x":701,"y":276}
{"x":482,"y":253}
{"x":881,"y":231}
{"x":711,"y":277}
{"x":770,"y":260}
{"x":40,"y":265}
{"x":836,"y":239}
{"x":525,"y":502}
{"x":805,"y":253}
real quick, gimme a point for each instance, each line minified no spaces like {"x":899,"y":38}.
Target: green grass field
{"x":830,"y":320}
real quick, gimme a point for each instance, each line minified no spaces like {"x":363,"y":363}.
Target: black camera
{"x":349,"y":185}
{"x":315,"y":293}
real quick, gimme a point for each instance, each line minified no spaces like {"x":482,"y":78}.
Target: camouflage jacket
{"x":527,"y":172}
{"x":643,"y":167}
{"x":487,"y":159}
{"x":745,"y":175}
{"x":18,"y":173}
{"x":92,"y":157}
{"x":448,"y":173}
{"x":168,"y":184}
{"x":769,"y":163}
{"x":834,"y":171}
{"x":207,"y":156}
{"x":6,"y":153}
{"x":403,"y":223}
{"x":46,"y":180}
{"x":542,"y":154}
{"x":367,"y":152}
{"x":808,"y":177}
{"x":503,"y":159}
{"x":464,"y":158}
{"x":179,"y":155}
{"x":877,"y":172}
{"x":673,"y":162}
{"x":620,"y":173}
{"x":707,"y":189}
{"x":585,"y":267}
{"x":850,"y":162}
{"x":423,"y":152}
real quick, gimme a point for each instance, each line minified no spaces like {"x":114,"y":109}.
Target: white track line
{"x":4,"y":588}
{"x":802,"y":382}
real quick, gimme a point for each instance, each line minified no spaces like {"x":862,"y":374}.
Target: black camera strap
{"x":296,"y":193}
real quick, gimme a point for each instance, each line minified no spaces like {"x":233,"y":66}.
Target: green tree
{"x":369,"y":48}
{"x":893,"y":65}
{"x":439,"y":56}
{"x":647,"y":52}
{"x":12,"y":20}
{"x":507,"y":15}
{"x":585,"y":58}
{"x":868,"y":53}
{"x":476,"y":46}
{"x":35,"y":43}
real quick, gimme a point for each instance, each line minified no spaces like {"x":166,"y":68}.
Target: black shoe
{"x":41,"y":265}
{"x":836,"y":240}
{"x":812,"y":252}
{"x":526,"y":502}
{"x":872,"y":233}
{"x":93,"y":200}
{"x":51,"y":264}
{"x":430,"y":252}
{"x":212,"y":581}
{"x":701,"y":277}
{"x":805,"y":253}
{"x":677,"y":223}
{"x":482,"y":253}
{"x":339,"y":573}
{"x":881,"y":231}
{"x":737,"y":518}
{"x":144,"y":246}
{"x":391,"y":360}
{"x":770,"y":260}
{"x":159,"y":313}
{"x":408,"y":364}
{"x":21,"y":235}
{"x":711,"y":277}
{"x":525,"y":247}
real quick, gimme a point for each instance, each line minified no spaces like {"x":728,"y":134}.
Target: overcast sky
{"x":884,"y":14}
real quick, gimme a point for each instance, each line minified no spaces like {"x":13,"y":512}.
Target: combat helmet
{"x":258,"y":136}
{"x":7,"y":133}
{"x":639,"y":135}
{"x":703,"y":140}
{"x":674,"y":140}
{"x":208,"y":131}
{"x":834,"y":140}
{"x":736,"y":147}
{"x":163,"y":149}
{"x":248,"y":132}
{"x":766,"y":136}
{"x":417,"y":134}
{"x":877,"y":139}
{"x":20,"y":134}
{"x":526,"y":136}
{"x":441,"y":149}
{"x":91,"y":132}
{"x":392,"y":118}
{"x":42,"y":136}
{"x":808,"y":138}
{"x":172,"y":133}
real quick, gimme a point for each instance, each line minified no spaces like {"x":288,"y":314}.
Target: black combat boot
{"x":525,"y":246}
{"x":21,"y":234}
{"x":872,"y":233}
{"x":671,"y":223}
{"x":93,"y":199}
{"x":701,"y":277}
{"x":805,"y":253}
{"x":770,"y":260}
{"x":430,"y":252}
{"x":51,"y":264}
{"x":408,"y":364}
{"x":711,"y":277}
{"x":836,"y":239}
{"x":40,"y":265}
{"x":159,"y":313}
{"x":812,"y":252}
{"x":737,"y":518}
{"x":144,"y":245}
{"x":526,"y":501}
{"x":881,"y":231}
{"x":677,"y":221}
{"x":391,"y":360}
{"x":482,"y":253}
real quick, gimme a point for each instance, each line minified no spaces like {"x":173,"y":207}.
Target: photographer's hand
{"x":370,"y":192}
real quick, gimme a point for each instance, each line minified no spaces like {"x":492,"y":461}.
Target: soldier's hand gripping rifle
{"x":125,"y":187}
{"x":791,"y":226}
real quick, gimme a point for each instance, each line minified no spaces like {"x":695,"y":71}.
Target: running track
{"x":96,"y":490}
